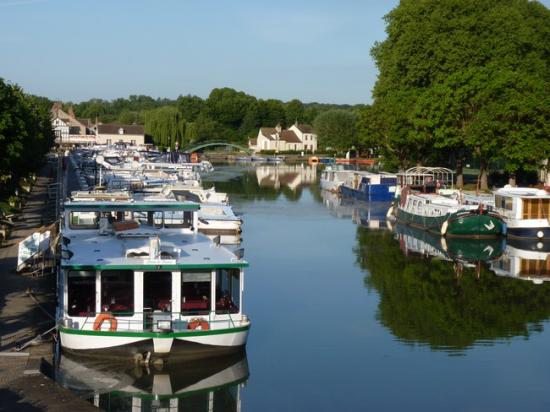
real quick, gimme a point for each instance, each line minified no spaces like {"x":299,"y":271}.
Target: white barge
{"x":136,"y":278}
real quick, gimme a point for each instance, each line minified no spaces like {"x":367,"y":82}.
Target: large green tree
{"x":166,"y":126}
{"x":336,"y":129}
{"x":469,"y":71}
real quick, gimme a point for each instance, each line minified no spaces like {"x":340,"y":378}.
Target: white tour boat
{"x":136,"y":278}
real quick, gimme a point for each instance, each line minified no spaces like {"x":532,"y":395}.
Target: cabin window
{"x":196,"y":292}
{"x":81,"y":293}
{"x":117,"y":292}
{"x":84,"y":220}
{"x":536,"y":208}
{"x":503,"y":202}
{"x":178,"y":219}
{"x":157,"y":291}
{"x":149,"y":218}
{"x":228,"y":286}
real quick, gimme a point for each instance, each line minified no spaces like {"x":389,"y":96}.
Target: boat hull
{"x":459,"y":224}
{"x":371,"y":193}
{"x":174,"y":345}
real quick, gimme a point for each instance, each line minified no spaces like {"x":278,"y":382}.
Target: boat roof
{"x":522,"y":192}
{"x":130,"y":250}
{"x":121,"y":206}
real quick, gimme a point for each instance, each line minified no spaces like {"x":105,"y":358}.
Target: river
{"x":348,"y":315}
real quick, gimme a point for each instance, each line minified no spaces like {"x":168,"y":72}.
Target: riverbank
{"x":27,"y":307}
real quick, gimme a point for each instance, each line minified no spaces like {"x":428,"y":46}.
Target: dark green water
{"x":344,"y":320}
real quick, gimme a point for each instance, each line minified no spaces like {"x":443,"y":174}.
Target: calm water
{"x":348,"y":316}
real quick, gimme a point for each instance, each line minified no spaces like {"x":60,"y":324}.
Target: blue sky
{"x":79,"y":49}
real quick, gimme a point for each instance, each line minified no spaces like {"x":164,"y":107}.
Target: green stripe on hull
{"x":127,"y":334}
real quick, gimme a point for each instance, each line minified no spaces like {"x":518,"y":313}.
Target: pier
{"x":27,"y":307}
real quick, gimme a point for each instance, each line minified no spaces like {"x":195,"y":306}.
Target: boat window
{"x":149,"y":218}
{"x":195,"y":292}
{"x":227,"y":291}
{"x":81,"y":293}
{"x":157,"y":291}
{"x":503,"y":202}
{"x":536,"y":208}
{"x":177,"y":219}
{"x":84,"y":220}
{"x":117,"y":292}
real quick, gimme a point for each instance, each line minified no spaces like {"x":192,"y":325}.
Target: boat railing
{"x":151,"y":321}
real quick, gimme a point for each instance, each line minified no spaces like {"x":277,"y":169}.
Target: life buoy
{"x":102,"y":317}
{"x":198,"y":323}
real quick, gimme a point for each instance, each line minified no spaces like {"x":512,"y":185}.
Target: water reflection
{"x":367,"y":214}
{"x":424,"y":300}
{"x":291,"y":176}
{"x":208,"y":385}
{"x":531,"y":264}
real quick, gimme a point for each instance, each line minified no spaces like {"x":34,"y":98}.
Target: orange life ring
{"x":102,"y":317}
{"x":195,"y":323}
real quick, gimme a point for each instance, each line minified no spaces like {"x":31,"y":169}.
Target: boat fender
{"x":390,"y":212}
{"x":198,"y":323}
{"x":444,"y":227}
{"x":102,"y":317}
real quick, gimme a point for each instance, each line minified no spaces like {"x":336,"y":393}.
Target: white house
{"x":69,"y":129}
{"x":111,"y":133}
{"x":299,"y":137}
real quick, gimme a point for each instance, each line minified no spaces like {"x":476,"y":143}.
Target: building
{"x":298,"y":138}
{"x":114,"y":133}
{"x":68,"y":129}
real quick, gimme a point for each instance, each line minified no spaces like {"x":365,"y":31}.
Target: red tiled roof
{"x":268,"y":132}
{"x":253,"y":141}
{"x":289,"y":136}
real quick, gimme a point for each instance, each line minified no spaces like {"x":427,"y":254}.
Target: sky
{"x":74,"y":50}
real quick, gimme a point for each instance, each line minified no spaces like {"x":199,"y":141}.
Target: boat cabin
{"x":144,"y":264}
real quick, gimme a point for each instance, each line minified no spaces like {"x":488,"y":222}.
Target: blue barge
{"x":366,"y":186}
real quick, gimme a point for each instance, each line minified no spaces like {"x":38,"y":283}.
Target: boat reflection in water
{"x":367,"y":214}
{"x":464,"y":252}
{"x":527,"y":264}
{"x":208,"y":385}
{"x":442,"y":295}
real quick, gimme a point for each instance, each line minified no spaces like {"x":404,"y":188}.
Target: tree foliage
{"x":336,"y":129}
{"x":460,"y":78}
{"x":25,"y":132}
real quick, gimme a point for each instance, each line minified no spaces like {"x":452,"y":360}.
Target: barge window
{"x":81,"y":293}
{"x":195,"y":292}
{"x":117,"y":292}
{"x":503,"y":202}
{"x":228,"y":291}
{"x":84,"y":220}
{"x":536,"y":208}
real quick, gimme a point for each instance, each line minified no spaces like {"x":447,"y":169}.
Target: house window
{"x":133,"y":142}
{"x":121,"y":131}
{"x":108,"y":142}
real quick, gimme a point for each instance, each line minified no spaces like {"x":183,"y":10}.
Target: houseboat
{"x":446,"y":216}
{"x":137,"y":279}
{"x":333,"y":177}
{"x":368,"y":186}
{"x":526,"y":211}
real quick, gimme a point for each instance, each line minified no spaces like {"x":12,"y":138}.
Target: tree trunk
{"x":483,"y":175}
{"x":459,"y":174}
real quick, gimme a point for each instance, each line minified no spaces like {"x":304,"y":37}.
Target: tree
{"x":294,"y":111}
{"x":336,"y":129}
{"x":166,"y":126}
{"x":228,"y":106}
{"x":458,"y":62}
{"x":190,"y":106}
{"x":271,"y":112}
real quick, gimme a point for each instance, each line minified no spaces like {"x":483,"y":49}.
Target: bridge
{"x":202,"y":145}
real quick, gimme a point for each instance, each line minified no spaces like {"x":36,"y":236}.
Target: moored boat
{"x":526,"y":211}
{"x":366,"y":186}
{"x":137,"y":278}
{"x":446,"y":216}
{"x":333,"y":177}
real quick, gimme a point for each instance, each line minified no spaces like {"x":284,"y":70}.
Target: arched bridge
{"x":202,"y":145}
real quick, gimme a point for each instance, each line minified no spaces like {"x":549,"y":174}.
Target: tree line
{"x":226,"y":115}
{"x":26,"y":134}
